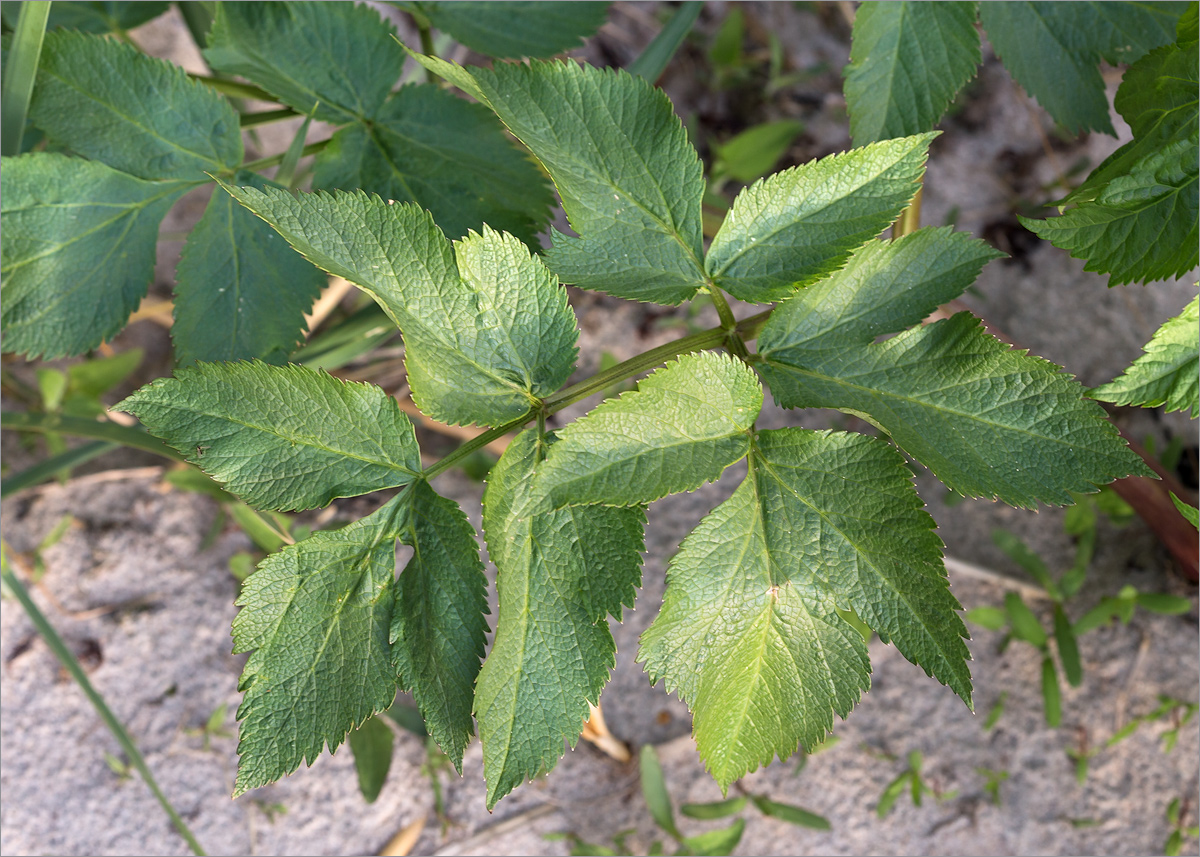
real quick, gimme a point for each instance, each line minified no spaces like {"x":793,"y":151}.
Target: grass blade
{"x":1051,"y":695}
{"x":654,"y":789}
{"x":43,"y":626}
{"x":19,"y":73}
{"x":44,"y":470}
{"x":658,"y":53}
{"x":1068,"y":647}
{"x":81,"y":427}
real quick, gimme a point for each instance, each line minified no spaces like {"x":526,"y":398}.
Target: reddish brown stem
{"x":1151,"y":499}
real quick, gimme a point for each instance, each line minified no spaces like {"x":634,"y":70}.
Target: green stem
{"x":728,"y":323}
{"x":237,"y":90}
{"x":19,"y":73}
{"x":264,"y":117}
{"x":276,"y":160}
{"x":50,"y":635}
{"x":64,"y":461}
{"x":427,"y":48}
{"x":477,"y":442}
{"x":81,"y":427}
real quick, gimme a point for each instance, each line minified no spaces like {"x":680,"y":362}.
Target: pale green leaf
{"x":315,"y":617}
{"x":907,"y":63}
{"x":281,"y":437}
{"x":515,"y":29}
{"x":1190,"y":512}
{"x":560,"y":574}
{"x":447,"y":155}
{"x":1168,"y":373}
{"x":987,"y":420}
{"x":753,"y":153}
{"x":629,"y":180}
{"x":486,"y":334}
{"x":241,"y":292}
{"x":108,"y":101}
{"x":681,"y":428}
{"x":340,"y":57}
{"x":78,"y":251}
{"x":798,"y":225}
{"x":438,"y":630}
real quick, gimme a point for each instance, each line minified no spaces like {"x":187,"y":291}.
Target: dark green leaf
{"x":438,"y":630}
{"x":1068,"y":647}
{"x":93,"y":17}
{"x":515,"y":29}
{"x":907,"y":62}
{"x":445,"y":154}
{"x":653,"y":60}
{"x":629,"y":180}
{"x":791,"y":814}
{"x":281,"y":437}
{"x":654,"y":790}
{"x":241,"y":291}
{"x":315,"y":617}
{"x":801,"y":224}
{"x":340,"y":57}
{"x":106,"y":100}
{"x":78,"y":251}
{"x":372,"y":745}
{"x":559,"y":576}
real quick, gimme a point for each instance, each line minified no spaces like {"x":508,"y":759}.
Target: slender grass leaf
{"x":93,"y":17}
{"x":681,"y":428}
{"x":78,"y":251}
{"x":715,"y":842}
{"x":1051,"y":694}
{"x":1161,"y":602}
{"x":1167,"y":373}
{"x":438,"y":629}
{"x":907,"y":63}
{"x":340,"y":57}
{"x":445,"y":154}
{"x":106,"y":100}
{"x":515,"y":29}
{"x":1190,"y":512}
{"x":629,"y":180}
{"x":486,"y":334}
{"x":1068,"y":647}
{"x":891,"y":793}
{"x":653,"y":60}
{"x":559,"y":575}
{"x":281,"y":437}
{"x":654,"y":790}
{"x":717,"y":809}
{"x":372,"y":745}
{"x":1025,"y":626}
{"x":791,"y":814}
{"x":17,"y":90}
{"x":50,"y":467}
{"x":241,"y":292}
{"x":988,"y":420}
{"x":801,"y":224}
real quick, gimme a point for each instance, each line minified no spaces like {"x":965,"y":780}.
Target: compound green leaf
{"x":515,"y":29}
{"x":629,"y":180}
{"x":92,"y":17}
{"x":241,"y":292}
{"x":1168,"y":373}
{"x":989,"y":421}
{"x":907,"y":63}
{"x":681,"y":428}
{"x":315,"y":617}
{"x":445,"y":154}
{"x":339,"y":57}
{"x":106,"y":100}
{"x":486,"y":335}
{"x":792,"y":228}
{"x":1142,"y":226}
{"x":438,"y":629}
{"x":560,"y":574}
{"x":78,"y":251}
{"x":281,"y":437}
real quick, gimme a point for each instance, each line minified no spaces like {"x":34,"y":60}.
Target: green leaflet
{"x":1167,"y":374}
{"x":989,"y":421}
{"x":445,"y":154}
{"x":92,"y":17}
{"x":798,"y":225}
{"x":281,"y":437}
{"x":1053,"y":48}
{"x":109,"y":102}
{"x":681,"y":428}
{"x":485,"y":334}
{"x":515,"y":29}
{"x":341,"y":57}
{"x":629,"y":180}
{"x":907,"y":63}
{"x":241,"y":292}
{"x":438,"y":630}
{"x":1191,"y":513}
{"x":560,"y":574}
{"x":315,"y":617}
{"x":1142,"y":226}
{"x":749,"y":634}
{"x":78,"y":251}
